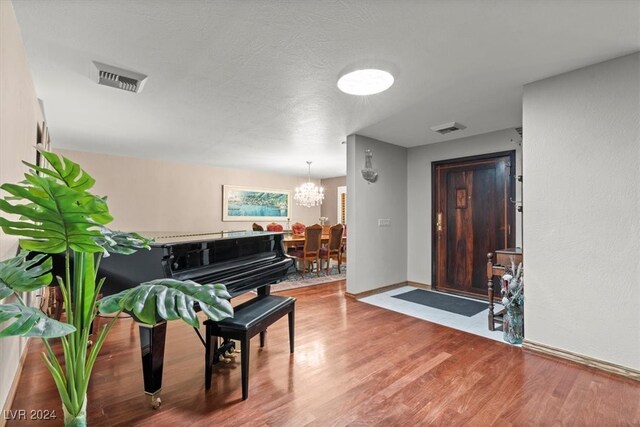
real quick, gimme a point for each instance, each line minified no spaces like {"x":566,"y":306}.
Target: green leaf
{"x":31,"y":322}
{"x":58,"y":218}
{"x":21,"y":275}
{"x":65,"y":170}
{"x":120,"y":242}
{"x":171,"y":299}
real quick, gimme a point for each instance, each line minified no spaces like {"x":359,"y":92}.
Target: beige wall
{"x":377,"y":254}
{"x":19,"y":115}
{"x":581,"y":153}
{"x":155,"y":195}
{"x":330,"y":203}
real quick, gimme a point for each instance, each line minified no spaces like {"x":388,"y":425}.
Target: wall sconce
{"x":369,"y":173}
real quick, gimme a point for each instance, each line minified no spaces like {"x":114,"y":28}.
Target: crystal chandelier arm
{"x":309,"y":194}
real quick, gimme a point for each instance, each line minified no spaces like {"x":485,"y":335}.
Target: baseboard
{"x":14,"y":386}
{"x":386,"y":288}
{"x":419,"y":285}
{"x":583,"y":360}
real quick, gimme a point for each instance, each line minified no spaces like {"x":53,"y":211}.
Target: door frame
{"x":342,"y":190}
{"x":511,"y":211}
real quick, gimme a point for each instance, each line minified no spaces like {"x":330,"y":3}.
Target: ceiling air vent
{"x":119,"y":78}
{"x":447,"y":128}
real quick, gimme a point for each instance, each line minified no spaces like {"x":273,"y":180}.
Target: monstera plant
{"x":54,"y":213}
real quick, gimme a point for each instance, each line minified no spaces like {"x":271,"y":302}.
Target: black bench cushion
{"x":253,"y":311}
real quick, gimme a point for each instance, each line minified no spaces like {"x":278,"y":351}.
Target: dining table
{"x":297,"y":240}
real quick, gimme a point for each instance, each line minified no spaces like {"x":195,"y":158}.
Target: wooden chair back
{"x":334,"y":248}
{"x":312,"y":239}
{"x":335,"y":237}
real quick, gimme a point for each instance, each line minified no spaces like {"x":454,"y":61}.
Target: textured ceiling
{"x":252,"y":84}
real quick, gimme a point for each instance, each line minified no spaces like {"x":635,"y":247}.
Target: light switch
{"x":384,"y":222}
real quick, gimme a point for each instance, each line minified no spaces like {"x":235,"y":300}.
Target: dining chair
{"x":274,"y":227}
{"x":334,"y":248}
{"x":298,"y":228}
{"x":310,"y":252}
{"x":344,"y":246}
{"x":257,"y":227}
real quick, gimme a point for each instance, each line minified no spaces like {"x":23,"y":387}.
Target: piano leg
{"x":264,"y":290}
{"x":152,"y":340}
{"x":211,"y":354}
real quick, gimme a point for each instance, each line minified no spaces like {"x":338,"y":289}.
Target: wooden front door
{"x":472,"y":215}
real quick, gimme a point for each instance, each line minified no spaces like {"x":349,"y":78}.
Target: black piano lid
{"x":168,"y":238}
{"x":201,"y":257}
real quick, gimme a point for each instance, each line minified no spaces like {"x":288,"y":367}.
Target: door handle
{"x":439,"y":221}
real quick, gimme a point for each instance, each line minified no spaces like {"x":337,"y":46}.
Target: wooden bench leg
{"x":245,"y":350}
{"x":492,"y":326}
{"x":291,"y":328}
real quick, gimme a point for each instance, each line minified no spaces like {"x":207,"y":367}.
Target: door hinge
{"x":509,"y":229}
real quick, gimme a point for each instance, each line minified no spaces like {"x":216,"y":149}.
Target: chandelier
{"x":309,"y":194}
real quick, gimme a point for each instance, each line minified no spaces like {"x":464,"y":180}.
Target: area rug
{"x":450,"y":303}
{"x":310,"y":279}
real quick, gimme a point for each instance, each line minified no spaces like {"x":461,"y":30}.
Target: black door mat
{"x":452,"y":304}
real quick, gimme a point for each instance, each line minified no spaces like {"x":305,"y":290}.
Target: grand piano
{"x":242,"y":261}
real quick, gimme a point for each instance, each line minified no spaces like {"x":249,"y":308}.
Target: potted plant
{"x":54,"y":213}
{"x":513,"y":301}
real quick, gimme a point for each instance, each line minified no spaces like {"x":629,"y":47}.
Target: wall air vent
{"x":446,"y":128}
{"x":119,"y":78}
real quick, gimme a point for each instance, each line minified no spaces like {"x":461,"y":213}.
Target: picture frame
{"x":43,"y":141}
{"x":255,"y":204}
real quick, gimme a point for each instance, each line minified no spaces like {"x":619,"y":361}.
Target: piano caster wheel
{"x":156,"y":402}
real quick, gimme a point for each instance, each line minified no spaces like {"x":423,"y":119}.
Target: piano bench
{"x":250,"y":318}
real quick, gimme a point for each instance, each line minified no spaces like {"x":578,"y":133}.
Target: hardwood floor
{"x":353,"y":364}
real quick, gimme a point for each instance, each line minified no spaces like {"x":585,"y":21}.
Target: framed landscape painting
{"x":255,"y":204}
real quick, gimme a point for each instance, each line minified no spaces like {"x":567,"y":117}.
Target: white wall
{"x":19,"y":116}
{"x":419,"y":161}
{"x":377,"y":256}
{"x":582,"y":204}
{"x":156,"y":195}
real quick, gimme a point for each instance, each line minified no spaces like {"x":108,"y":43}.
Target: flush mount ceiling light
{"x":365,"y":82}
